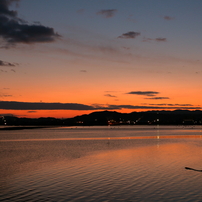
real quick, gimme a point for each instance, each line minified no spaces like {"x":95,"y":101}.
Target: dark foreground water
{"x":101,"y":164}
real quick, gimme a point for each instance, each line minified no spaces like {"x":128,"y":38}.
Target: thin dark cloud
{"x":170,"y":105}
{"x":5,"y":95}
{"x":166,"y":17}
{"x":32,"y":111}
{"x":8,"y":114}
{"x":158,"y":39}
{"x":182,"y":105}
{"x":129,"y":35}
{"x":146,"y":93}
{"x":15,"y":30}
{"x":4,"y":71}
{"x":32,"y":106}
{"x":112,"y":53}
{"x":108,"y":13}
{"x":118,"y":107}
{"x":147,"y":39}
{"x":158,"y":98}
{"x":42,"y":106}
{"x":109,"y":95}
{"x":7,"y":64}
{"x":161,"y":104}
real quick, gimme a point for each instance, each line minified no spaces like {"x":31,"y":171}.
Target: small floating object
{"x":193,"y":169}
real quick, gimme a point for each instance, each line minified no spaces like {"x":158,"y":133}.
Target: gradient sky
{"x":63,"y":58}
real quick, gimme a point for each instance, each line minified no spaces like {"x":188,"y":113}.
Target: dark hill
{"x":177,"y":117}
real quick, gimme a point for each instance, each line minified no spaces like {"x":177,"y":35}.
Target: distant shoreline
{"x":23,"y":127}
{"x":177,"y":117}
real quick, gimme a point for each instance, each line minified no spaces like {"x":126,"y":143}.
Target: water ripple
{"x":118,"y":169}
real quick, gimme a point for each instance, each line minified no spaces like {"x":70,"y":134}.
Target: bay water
{"x":101,"y":163}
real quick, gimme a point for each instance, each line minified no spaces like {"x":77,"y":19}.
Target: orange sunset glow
{"x":68,"y":58}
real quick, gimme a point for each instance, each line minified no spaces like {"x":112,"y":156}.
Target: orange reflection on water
{"x":120,"y":168}
{"x":107,"y":138}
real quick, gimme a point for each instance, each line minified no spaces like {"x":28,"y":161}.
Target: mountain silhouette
{"x":177,"y":117}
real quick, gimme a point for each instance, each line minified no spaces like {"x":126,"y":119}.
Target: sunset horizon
{"x":37,"y":110}
{"x":67,"y":58}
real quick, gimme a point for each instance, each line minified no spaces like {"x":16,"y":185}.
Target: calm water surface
{"x":101,"y":164}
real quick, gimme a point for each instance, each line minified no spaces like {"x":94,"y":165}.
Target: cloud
{"x":1,"y":70}
{"x":108,"y":13}
{"x":109,"y":95}
{"x":4,"y":8}
{"x":32,"y":106}
{"x":8,"y":114}
{"x":112,"y":53}
{"x":147,"y":39}
{"x":162,"y":104}
{"x":146,"y":93}
{"x":182,"y":105}
{"x":166,"y":17}
{"x":15,"y":30}
{"x":5,"y":95}
{"x":170,"y":105}
{"x":8,"y":64}
{"x":31,"y":111}
{"x":159,"y":39}
{"x":158,"y":98}
{"x":115,"y":107}
{"x":42,"y":106}
{"x":129,"y":35}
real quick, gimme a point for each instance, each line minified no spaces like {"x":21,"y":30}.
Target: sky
{"x":63,"y":58}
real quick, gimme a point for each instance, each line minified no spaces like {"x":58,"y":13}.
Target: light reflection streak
{"x":107,"y":138}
